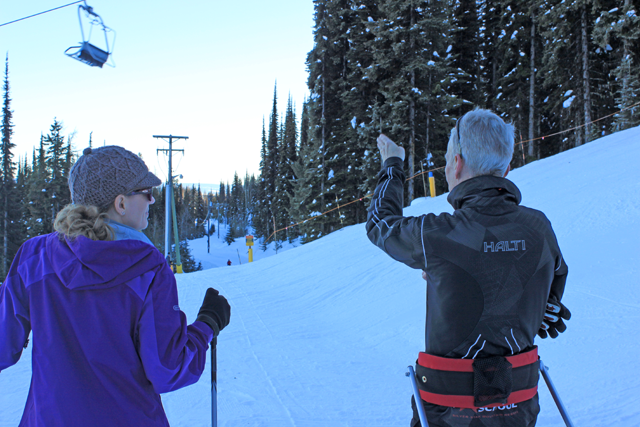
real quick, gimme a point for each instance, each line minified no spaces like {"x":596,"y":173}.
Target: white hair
{"x":486,"y":142}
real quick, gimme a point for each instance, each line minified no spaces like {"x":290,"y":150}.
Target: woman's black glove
{"x":552,"y":325}
{"x":215,"y":311}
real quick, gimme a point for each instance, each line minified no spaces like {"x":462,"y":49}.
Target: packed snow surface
{"x":321,"y":334}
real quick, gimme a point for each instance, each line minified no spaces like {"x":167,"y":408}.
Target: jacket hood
{"x":484,"y":191}
{"x":84,"y":263}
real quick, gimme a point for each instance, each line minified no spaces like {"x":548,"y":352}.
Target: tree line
{"x":35,"y":188}
{"x":411,"y":68}
{"x":406,"y":68}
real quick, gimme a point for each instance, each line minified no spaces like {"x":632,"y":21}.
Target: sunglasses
{"x":146,"y":191}
{"x":458,"y":131}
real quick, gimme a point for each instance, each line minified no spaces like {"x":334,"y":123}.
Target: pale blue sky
{"x":202,"y":69}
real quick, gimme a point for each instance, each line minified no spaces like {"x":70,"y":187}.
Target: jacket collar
{"x":124,"y":232}
{"x":484,"y":190}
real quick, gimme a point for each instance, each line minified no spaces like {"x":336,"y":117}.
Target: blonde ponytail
{"x":80,"y":220}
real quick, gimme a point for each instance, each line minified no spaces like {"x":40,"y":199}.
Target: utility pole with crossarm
{"x":169,"y":192}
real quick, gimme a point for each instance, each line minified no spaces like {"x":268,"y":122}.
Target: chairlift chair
{"x":87,"y":52}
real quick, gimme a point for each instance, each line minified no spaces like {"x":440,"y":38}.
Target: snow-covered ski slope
{"x":321,"y":334}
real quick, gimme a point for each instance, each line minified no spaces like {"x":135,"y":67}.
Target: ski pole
{"x":214,"y":383}
{"x":416,"y":394}
{"x":554,"y":394}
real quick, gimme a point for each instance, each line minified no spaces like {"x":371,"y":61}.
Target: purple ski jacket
{"x":108,"y":334}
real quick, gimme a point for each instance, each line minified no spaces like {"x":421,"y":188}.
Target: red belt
{"x":449,"y":382}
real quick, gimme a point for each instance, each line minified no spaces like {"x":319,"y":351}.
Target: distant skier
{"x":108,"y":334}
{"x":229,"y":262}
{"x":492,"y":268}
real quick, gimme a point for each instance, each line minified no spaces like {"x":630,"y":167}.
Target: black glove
{"x":553,"y":315}
{"x":215,"y":311}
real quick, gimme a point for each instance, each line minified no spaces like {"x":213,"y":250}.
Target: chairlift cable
{"x":41,"y":13}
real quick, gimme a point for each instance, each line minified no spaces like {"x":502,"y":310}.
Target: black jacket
{"x":490,"y":266}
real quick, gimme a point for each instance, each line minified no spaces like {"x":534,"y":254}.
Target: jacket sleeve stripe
{"x":422,"y":240}
{"x":378,"y":201}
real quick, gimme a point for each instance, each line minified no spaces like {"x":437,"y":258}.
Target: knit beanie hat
{"x":101,"y":174}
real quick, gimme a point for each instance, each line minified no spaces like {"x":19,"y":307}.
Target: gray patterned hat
{"x":101,"y":174}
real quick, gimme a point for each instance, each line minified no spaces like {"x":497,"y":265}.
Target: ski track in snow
{"x":262,"y":327}
{"x":321,"y":334}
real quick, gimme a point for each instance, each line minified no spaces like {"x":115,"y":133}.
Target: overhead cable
{"x":41,"y":13}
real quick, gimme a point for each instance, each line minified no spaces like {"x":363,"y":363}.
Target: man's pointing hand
{"x":388,"y":148}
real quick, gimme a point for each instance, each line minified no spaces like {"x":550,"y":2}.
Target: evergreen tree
{"x":617,"y":34}
{"x":518,"y":92}
{"x":189,"y":263}
{"x":155,"y":231}
{"x":320,"y":62}
{"x":183,"y":211}
{"x":57,"y":165}
{"x":229,"y":238}
{"x":9,"y":197}
{"x":305,"y":188}
{"x":335,"y":76}
{"x":22,"y":179}
{"x":237,"y":209}
{"x":39,"y":215}
{"x":414,"y":68}
{"x":201,"y":209}
{"x":565,"y":73}
{"x":272,"y":163}
{"x":250,"y":197}
{"x":259,"y":212}
{"x":466,"y":56}
{"x":288,"y":156}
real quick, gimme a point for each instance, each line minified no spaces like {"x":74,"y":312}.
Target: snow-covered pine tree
{"x":412,"y":73}
{"x":200,"y":211}
{"x":306,"y":185}
{"x":250,"y":195}
{"x":259,"y":212}
{"x":335,"y":85}
{"x":321,"y":106}
{"x":435,"y":121}
{"x":356,"y":132}
{"x":227,"y":198}
{"x":617,"y":34}
{"x":189,"y":263}
{"x":228,"y":238}
{"x":491,"y":33}
{"x":466,"y":84}
{"x":288,"y":156}
{"x":564,"y":71}
{"x":271,"y":163}
{"x":359,"y":103}
{"x":237,"y":208}
{"x":515,"y":98}
{"x":280,"y":199}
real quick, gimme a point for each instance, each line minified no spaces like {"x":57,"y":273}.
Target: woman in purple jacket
{"x":102,"y":303}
